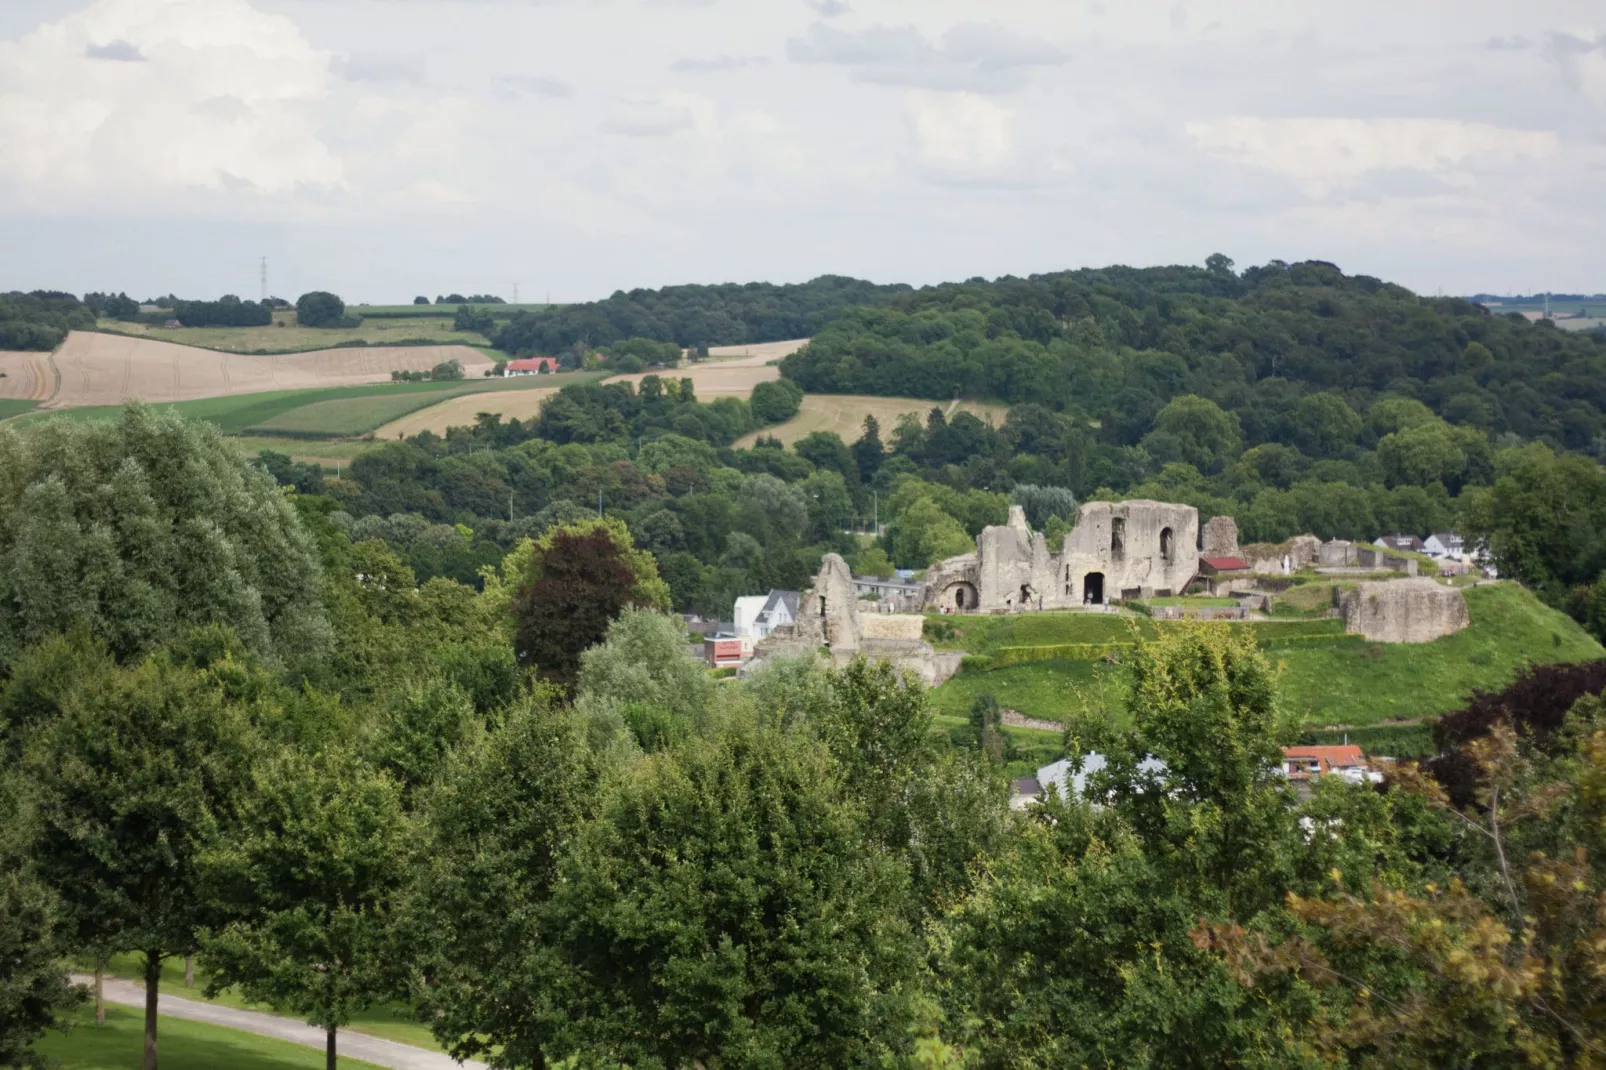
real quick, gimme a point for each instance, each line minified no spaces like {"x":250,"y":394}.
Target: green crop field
{"x":182,"y":1046}
{"x":406,"y":312}
{"x":344,"y":417}
{"x":1329,"y":678}
{"x":14,"y":407}
{"x":286,"y":336}
{"x":241,"y":413}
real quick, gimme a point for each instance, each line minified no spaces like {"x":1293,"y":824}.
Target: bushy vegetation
{"x":693,"y":316}
{"x":320,"y":309}
{"x":40,"y":320}
{"x":227,"y":311}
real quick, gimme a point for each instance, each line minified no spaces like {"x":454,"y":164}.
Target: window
{"x":1118,"y":538}
{"x":1167,"y":545}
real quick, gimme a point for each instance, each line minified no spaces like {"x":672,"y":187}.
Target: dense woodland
{"x":236,"y":725}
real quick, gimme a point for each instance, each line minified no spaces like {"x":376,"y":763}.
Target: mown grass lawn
{"x":180,"y":1045}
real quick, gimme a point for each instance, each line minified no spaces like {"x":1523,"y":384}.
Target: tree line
{"x":522,"y":813}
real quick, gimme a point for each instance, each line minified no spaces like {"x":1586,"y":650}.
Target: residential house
{"x":530,"y":366}
{"x":1443,"y":544}
{"x":899,"y":592}
{"x":756,"y":616}
{"x":1066,"y":780}
{"x":1398,"y":543}
{"x":1303,"y":766}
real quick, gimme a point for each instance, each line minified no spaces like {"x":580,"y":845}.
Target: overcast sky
{"x":387,"y":148}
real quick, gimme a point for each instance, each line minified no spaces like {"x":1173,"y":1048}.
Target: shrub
{"x":320,"y":309}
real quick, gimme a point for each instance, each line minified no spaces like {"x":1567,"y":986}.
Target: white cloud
{"x":225,"y":100}
{"x":1581,"y":62}
{"x":1323,"y":153}
{"x":961,"y":133}
{"x":976,"y":57}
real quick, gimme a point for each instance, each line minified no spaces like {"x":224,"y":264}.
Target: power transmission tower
{"x":264,"y":279}
{"x":515,"y":293}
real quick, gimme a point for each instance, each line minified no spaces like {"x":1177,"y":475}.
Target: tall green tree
{"x":139,"y":528}
{"x":727,"y":909}
{"x":309,"y":875}
{"x":486,"y":976}
{"x":130,"y":784}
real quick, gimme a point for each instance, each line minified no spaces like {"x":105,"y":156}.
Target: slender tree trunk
{"x":189,"y":971}
{"x":100,"y":991}
{"x":329,"y":1051}
{"x":153,"y":982}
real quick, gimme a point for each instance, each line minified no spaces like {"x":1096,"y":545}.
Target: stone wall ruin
{"x":1117,"y":550}
{"x":1404,"y":611}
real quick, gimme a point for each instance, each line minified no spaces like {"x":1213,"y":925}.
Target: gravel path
{"x":354,"y":1045}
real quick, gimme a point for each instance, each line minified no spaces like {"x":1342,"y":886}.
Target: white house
{"x":1067,"y":783}
{"x":756,"y":616}
{"x":1443,"y":544}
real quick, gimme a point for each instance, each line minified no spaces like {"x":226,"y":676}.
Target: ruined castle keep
{"x":1135,"y":549}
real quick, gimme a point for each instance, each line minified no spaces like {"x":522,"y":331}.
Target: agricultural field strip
{"x":730,"y":371}
{"x":101,"y":369}
{"x":844,"y":414}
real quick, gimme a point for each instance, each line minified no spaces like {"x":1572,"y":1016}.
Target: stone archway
{"x":960,"y":597}
{"x":1093,"y":589}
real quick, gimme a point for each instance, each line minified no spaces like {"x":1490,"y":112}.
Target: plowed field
{"x":105,"y":369}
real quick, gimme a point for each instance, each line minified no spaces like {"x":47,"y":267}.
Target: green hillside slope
{"x":1330,"y":679}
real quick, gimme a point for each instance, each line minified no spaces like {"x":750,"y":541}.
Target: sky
{"x":384,"y":149}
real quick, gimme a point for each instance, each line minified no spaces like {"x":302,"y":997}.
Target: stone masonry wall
{"x":1404,"y":611}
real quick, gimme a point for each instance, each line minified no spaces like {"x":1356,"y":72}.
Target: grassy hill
{"x":1053,"y":666}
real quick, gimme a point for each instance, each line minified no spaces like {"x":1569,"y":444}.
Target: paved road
{"x":353,"y":1045}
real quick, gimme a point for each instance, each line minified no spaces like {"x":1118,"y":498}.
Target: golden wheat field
{"x":845,"y":413}
{"x":106,"y":369}
{"x":461,"y":410}
{"x":28,"y":376}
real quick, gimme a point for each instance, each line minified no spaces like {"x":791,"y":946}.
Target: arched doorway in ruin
{"x":1093,"y":589}
{"x":960,"y":597}
{"x":1168,"y":545}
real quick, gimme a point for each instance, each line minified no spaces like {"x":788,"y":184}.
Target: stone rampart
{"x":1404,"y":611}
{"x":891,"y":626}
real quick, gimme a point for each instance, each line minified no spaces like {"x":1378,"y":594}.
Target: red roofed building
{"x":1218,"y":572}
{"x":531,"y":366}
{"x":1303,"y":765}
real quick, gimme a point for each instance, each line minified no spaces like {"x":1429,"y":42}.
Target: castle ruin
{"x":1404,"y":611}
{"x":1120,"y":550}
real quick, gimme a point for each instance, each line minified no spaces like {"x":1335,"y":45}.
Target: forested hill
{"x":1115,"y":344}
{"x":730,"y":314}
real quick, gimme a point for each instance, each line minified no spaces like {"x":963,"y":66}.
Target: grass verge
{"x":387,"y":1021}
{"x":181,"y":1045}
